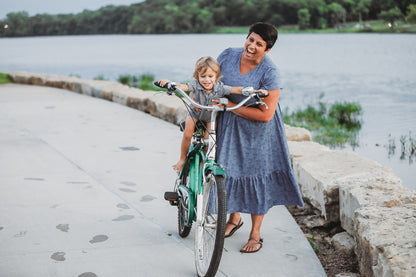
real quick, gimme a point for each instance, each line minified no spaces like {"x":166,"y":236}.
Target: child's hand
{"x":163,"y":82}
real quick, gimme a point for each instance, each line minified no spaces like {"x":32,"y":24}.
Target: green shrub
{"x":129,"y":80}
{"x":100,"y":78}
{"x":411,"y":13}
{"x":333,"y":125}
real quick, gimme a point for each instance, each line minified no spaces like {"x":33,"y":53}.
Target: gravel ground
{"x":333,"y":261}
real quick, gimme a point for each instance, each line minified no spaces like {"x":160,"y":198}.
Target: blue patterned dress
{"x":254,"y":154}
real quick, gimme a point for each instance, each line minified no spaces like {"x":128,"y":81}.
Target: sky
{"x":34,"y":7}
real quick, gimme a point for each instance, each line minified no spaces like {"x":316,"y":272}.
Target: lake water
{"x":376,"y":70}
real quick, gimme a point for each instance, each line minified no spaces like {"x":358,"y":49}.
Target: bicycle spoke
{"x":209,"y":237}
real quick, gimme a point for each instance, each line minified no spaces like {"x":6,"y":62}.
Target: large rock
{"x":170,"y":108}
{"x":383,"y":189}
{"x":386,"y":240}
{"x":343,"y":242}
{"x":304,"y":148}
{"x":23,"y":77}
{"x":317,"y":176}
{"x":297,"y":134}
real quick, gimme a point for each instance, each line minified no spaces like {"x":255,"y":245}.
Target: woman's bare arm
{"x":260,"y":113}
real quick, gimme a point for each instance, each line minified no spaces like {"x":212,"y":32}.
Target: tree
{"x":348,"y":6}
{"x":304,"y":18}
{"x":411,"y":13}
{"x":362,"y":8}
{"x":18,"y":23}
{"x":204,"y":22}
{"x":317,"y":10}
{"x":391,"y":16}
{"x":337,"y":13}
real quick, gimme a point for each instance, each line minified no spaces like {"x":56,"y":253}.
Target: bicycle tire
{"x":183,"y":228}
{"x":209,"y":233}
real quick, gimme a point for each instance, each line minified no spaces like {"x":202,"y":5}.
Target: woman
{"x":251,"y":141}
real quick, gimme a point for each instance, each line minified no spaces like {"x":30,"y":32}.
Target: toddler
{"x":205,"y":87}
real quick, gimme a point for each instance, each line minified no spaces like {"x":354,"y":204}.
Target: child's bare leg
{"x":208,"y":128}
{"x":206,"y":135}
{"x":186,"y":142}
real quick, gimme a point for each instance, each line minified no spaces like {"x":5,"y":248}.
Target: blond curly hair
{"x":203,"y":63}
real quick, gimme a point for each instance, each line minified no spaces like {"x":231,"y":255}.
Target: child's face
{"x":207,"y":78}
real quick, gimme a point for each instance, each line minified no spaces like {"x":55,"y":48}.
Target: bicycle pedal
{"x":172,"y":197}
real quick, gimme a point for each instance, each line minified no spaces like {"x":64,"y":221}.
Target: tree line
{"x":203,"y":16}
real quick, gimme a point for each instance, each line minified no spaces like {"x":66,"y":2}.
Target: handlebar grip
{"x":157,"y":83}
{"x":262,"y":95}
{"x":169,"y":86}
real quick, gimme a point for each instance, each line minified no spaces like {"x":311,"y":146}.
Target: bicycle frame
{"x":197,"y":150}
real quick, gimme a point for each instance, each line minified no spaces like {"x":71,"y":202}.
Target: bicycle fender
{"x":216,"y":169}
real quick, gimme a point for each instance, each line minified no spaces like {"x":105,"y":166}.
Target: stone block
{"x":384,"y":189}
{"x":108,"y":89}
{"x":317,"y":176}
{"x":170,"y":108}
{"x":297,"y":134}
{"x":53,"y":81}
{"x":386,"y":240}
{"x":304,"y":148}
{"x":121,"y":95}
{"x":21,"y":77}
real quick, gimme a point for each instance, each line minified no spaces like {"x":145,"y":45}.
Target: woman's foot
{"x":231,"y":227}
{"x":178,"y":166}
{"x":253,"y":245}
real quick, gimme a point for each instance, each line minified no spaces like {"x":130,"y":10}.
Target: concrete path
{"x":81,"y":194}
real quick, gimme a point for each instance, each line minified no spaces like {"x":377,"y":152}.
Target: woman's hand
{"x":217,"y":103}
{"x":263,"y":91}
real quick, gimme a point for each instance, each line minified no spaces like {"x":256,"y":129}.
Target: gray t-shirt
{"x":201,"y":96}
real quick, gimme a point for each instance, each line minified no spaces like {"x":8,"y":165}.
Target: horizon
{"x":57,"y":7}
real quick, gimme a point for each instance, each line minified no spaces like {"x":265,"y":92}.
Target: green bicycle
{"x":199,"y":191}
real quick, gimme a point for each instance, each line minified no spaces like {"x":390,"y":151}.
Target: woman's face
{"x":255,"y":48}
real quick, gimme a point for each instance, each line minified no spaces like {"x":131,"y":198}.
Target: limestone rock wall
{"x":365,"y":197}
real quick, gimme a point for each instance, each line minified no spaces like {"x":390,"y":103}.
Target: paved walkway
{"x":81,"y":194}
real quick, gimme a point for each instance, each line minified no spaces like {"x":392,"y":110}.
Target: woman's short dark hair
{"x":267,"y":32}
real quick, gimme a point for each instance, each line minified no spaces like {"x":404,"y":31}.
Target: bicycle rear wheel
{"x":210,"y":227}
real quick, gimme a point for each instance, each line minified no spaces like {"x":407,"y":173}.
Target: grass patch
{"x":313,"y":244}
{"x":100,"y":77}
{"x":4,"y":78}
{"x":333,"y":125}
{"x":232,"y":30}
{"x":407,"y":147}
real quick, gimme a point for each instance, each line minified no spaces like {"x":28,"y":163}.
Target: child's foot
{"x":178,"y":166}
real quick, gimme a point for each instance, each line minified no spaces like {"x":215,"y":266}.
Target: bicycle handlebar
{"x":248,"y":92}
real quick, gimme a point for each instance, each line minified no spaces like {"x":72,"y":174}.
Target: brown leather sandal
{"x":256,"y":241}
{"x":237,"y":226}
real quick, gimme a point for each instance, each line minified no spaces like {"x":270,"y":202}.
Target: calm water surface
{"x":376,"y":70}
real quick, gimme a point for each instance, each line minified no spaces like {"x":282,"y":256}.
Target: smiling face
{"x":207,"y":78}
{"x":254,"y":48}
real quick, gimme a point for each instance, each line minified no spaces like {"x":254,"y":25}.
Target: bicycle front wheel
{"x":210,"y":225}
